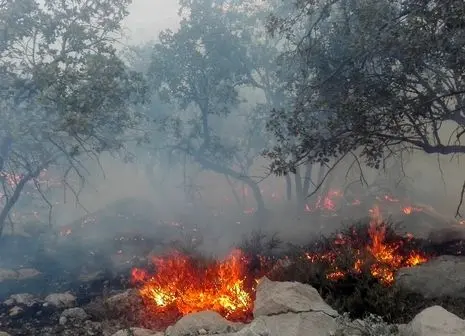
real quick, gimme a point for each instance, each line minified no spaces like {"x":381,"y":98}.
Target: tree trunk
{"x":236,"y":196}
{"x":288,"y":187}
{"x":12,"y":201}
{"x":307,"y":179}
{"x":298,"y":185}
{"x":261,"y":209}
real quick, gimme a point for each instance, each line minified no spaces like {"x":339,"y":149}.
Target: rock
{"x":136,"y":332}
{"x":439,"y":277}
{"x":61,"y":300}
{"x":122,"y":299}
{"x":282,"y":297}
{"x":21,"y":299}
{"x":27,"y":273}
{"x":73,"y":315}
{"x":94,"y":328}
{"x":7,"y":274}
{"x":291,"y":324}
{"x":210,"y":322}
{"x":15,"y":311}
{"x":122,"y":303}
{"x":435,"y":321}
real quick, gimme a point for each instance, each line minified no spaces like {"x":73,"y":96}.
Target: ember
{"x":383,"y":258}
{"x":182,"y":285}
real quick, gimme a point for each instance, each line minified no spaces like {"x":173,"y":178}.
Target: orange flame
{"x":181,"y":286}
{"x":383,"y":258}
{"x":411,"y":209}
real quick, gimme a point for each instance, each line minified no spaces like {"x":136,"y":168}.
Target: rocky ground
{"x":281,"y":308}
{"x":82,"y":289}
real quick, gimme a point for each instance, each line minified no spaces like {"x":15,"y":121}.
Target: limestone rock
{"x":291,"y":324}
{"x":61,"y":300}
{"x":27,"y":273}
{"x":282,"y":297}
{"x":21,"y":299}
{"x":73,"y":315}
{"x":15,"y":311}
{"x":7,"y":274}
{"x":122,"y":299}
{"x":439,"y":277}
{"x":211,"y":322}
{"x":136,"y":332}
{"x":435,"y":321}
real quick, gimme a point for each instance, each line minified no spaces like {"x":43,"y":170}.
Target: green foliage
{"x":371,"y":77}
{"x":64,"y":91}
{"x":198,"y":69}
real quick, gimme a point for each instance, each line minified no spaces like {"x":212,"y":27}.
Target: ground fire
{"x":380,"y":257}
{"x":181,"y":284}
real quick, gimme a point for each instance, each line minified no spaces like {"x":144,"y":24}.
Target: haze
{"x":433,"y":180}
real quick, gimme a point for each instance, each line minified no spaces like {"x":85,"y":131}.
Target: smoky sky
{"x":148,"y":18}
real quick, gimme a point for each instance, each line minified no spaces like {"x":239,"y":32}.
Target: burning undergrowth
{"x":353,"y":269}
{"x":183,"y":284}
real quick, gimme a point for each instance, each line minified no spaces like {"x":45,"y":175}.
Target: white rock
{"x":282,"y":297}
{"x":15,"y":311}
{"x":123,"y":298}
{"x":73,"y":315}
{"x":23,"y":299}
{"x":7,"y":274}
{"x":290,"y":324}
{"x":439,"y":277}
{"x":27,"y":273}
{"x":61,"y":300}
{"x":211,"y":322}
{"x":136,"y":332}
{"x":435,"y":321}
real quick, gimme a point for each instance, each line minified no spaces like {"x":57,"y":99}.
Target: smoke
{"x":198,"y":207}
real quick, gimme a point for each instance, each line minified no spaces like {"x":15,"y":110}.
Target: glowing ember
{"x":411,"y":209}
{"x":326,"y":202}
{"x":181,"y":286}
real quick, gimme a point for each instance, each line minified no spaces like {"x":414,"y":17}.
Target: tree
{"x":200,"y":69}
{"x":65,"y":95}
{"x":375,"y":78}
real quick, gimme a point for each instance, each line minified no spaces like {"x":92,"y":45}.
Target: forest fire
{"x":381,"y":258}
{"x":182,"y":285}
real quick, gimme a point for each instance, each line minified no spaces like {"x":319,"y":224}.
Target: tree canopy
{"x":64,"y":92}
{"x":374,"y":78}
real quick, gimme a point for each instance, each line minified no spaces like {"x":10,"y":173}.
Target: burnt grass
{"x":358,"y":294}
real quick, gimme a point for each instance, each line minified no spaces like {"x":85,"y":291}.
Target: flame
{"x":181,"y":286}
{"x":382,"y":258}
{"x":326,"y":202}
{"x":411,"y":209}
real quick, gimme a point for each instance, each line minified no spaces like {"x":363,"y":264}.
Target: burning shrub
{"x":353,"y":270}
{"x":183,"y":285}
